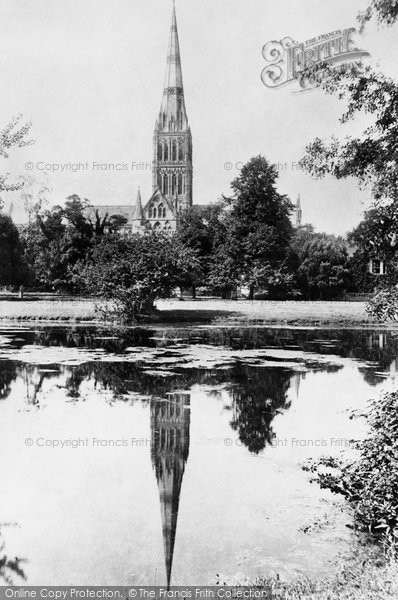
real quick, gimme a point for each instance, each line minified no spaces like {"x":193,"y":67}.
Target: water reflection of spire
{"x":170,"y":422}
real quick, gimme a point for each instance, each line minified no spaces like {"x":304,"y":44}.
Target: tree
{"x":13,"y":269}
{"x":385,"y":12}
{"x":76,"y":212}
{"x":115,"y":222}
{"x":257,"y":227}
{"x":55,"y":240}
{"x":132,"y":273}
{"x":12,"y":135}
{"x":371,"y":158}
{"x":43,"y":247}
{"x":320,"y":262}
{"x":202,"y":231}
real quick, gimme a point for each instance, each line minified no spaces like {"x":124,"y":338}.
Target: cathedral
{"x":172,"y":158}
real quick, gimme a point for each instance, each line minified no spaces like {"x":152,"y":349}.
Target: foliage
{"x":320,"y":263}
{"x":257,"y":228}
{"x":43,"y":249}
{"x":13,"y":269}
{"x":363,"y":281}
{"x":132,"y":273}
{"x":13,"y":135}
{"x":223,"y":273}
{"x":385,"y":12}
{"x":55,"y":240}
{"x":202,"y":231}
{"x":371,"y":483}
{"x":260,"y":395}
{"x":367,"y":580}
{"x":279,"y":284}
{"x":375,"y":237}
{"x":371,"y":158}
{"x":34,"y":195}
{"x":384,"y":305}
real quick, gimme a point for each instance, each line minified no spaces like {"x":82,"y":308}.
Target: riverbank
{"x":220,"y":312}
{"x":367,"y":582}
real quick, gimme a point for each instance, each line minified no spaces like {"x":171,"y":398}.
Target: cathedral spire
{"x":173,"y":115}
{"x":173,"y":76}
{"x":172,"y":140}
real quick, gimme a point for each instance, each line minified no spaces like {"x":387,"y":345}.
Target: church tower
{"x":172,"y":140}
{"x":298,"y":213}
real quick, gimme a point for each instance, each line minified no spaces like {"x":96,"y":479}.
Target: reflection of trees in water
{"x":9,"y":568}
{"x":380,"y":347}
{"x":258,"y":396}
{"x":124,"y":378}
{"x":8,"y":374}
{"x":33,"y":378}
{"x":75,"y":378}
{"x":92,"y":337}
{"x":257,"y":393}
{"x":370,"y":377}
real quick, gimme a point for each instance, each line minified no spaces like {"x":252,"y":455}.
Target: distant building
{"x":172,"y":158}
{"x":298,"y":213}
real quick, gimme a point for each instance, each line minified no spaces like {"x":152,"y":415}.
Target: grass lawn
{"x":228,"y":312}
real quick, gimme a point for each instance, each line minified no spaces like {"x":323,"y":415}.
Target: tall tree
{"x":13,"y":269}
{"x":258,"y":227}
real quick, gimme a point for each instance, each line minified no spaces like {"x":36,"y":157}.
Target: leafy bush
{"x":320,"y":264}
{"x":130,"y":274}
{"x":371,"y":483}
{"x":384,"y":305}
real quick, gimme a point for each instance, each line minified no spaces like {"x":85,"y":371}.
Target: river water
{"x":174,"y":454}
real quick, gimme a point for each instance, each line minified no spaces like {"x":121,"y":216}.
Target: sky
{"x":89,"y":75}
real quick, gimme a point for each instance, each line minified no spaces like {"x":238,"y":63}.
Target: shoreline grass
{"x":214,"y":311}
{"x":367,"y":582}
